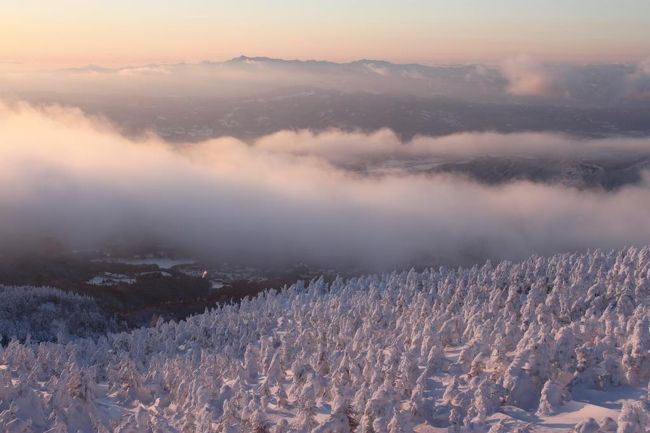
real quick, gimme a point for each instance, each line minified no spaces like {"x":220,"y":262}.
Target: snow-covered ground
{"x":216,"y":284}
{"x":110,"y":279}
{"x":548,"y":345}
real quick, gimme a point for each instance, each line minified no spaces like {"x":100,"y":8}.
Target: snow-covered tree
{"x":634,"y":418}
{"x":382,"y":351}
{"x":553,"y":396}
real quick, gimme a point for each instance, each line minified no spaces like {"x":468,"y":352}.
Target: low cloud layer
{"x":528,"y":77}
{"x":356,"y":149}
{"x":601,"y":84}
{"x":287,"y":197}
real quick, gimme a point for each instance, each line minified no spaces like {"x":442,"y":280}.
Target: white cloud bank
{"x":526,"y":76}
{"x":68,"y":176}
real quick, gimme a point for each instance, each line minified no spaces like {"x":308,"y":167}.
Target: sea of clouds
{"x":288,"y":197}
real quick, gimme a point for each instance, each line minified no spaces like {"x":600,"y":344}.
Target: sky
{"x":124,"y":32}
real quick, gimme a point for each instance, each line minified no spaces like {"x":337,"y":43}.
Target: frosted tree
{"x":637,"y":357}
{"x":522,"y":390}
{"x":553,"y":396}
{"x":259,"y":423}
{"x":499,"y":427}
{"x":608,"y":425}
{"x":477,"y":366}
{"x":523,"y":334}
{"x":633,"y":418}
{"x":251,"y":366}
{"x":307,"y":410}
{"x":281,"y":427}
{"x":282,"y":398}
{"x":587,"y":426}
{"x":409,"y":372}
{"x":417,"y":403}
{"x":485,"y":401}
{"x":341,"y":420}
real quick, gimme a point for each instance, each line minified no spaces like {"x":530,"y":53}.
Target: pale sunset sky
{"x":121,"y":32}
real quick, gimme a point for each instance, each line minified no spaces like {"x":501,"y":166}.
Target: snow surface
{"x":216,"y":285}
{"x":110,"y":279}
{"x":552,"y":344}
{"x":161,"y":262}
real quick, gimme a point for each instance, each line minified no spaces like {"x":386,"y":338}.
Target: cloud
{"x":638,"y":82}
{"x":346,"y":149}
{"x":644,"y":67}
{"x":287,"y":197}
{"x":600,"y":83}
{"x":528,"y":77}
{"x":145,"y":70}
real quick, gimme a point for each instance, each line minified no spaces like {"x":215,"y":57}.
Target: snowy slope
{"x":541,"y":346}
{"x":46,"y":314}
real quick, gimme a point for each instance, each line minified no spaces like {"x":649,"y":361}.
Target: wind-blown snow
{"x":542,"y":345}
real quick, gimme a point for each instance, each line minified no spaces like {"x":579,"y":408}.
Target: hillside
{"x":549,"y":344}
